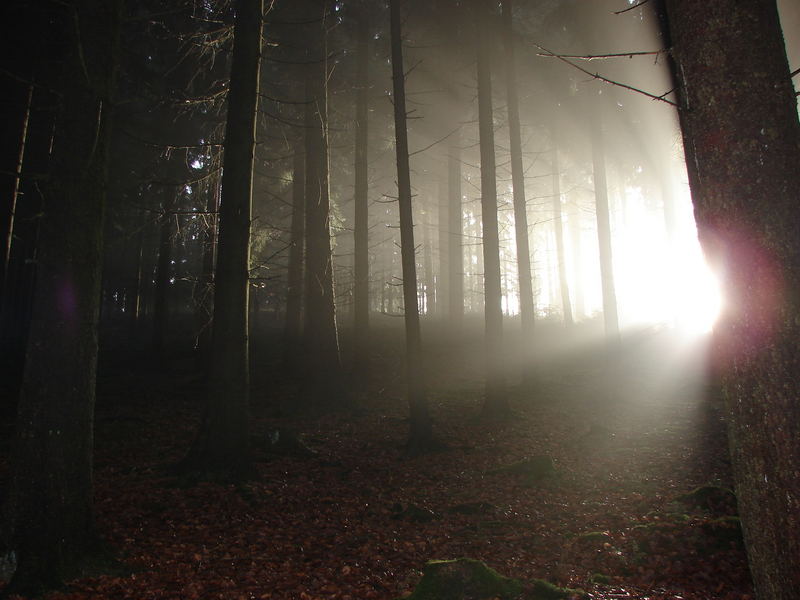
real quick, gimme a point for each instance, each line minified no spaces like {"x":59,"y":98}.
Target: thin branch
{"x":604,"y":56}
{"x":660,"y":98}
{"x":637,"y":5}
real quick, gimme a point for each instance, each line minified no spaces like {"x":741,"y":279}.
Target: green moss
{"x":594,"y":536}
{"x":463,"y":579}
{"x":543,"y":590}
{"x":600,"y":578}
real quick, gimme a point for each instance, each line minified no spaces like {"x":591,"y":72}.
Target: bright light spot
{"x":699,"y":300}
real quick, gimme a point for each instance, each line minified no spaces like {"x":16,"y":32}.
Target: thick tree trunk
{"x":361,"y":217}
{"x":496,"y":402}
{"x":293,"y":328}
{"x":421,"y":432}
{"x":222,"y":445}
{"x":320,"y":336}
{"x":526,"y":306}
{"x":52,"y":455}
{"x":610,"y":317}
{"x":204,"y":290}
{"x":742,"y":138}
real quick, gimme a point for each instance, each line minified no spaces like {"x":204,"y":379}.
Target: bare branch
{"x":637,"y":5}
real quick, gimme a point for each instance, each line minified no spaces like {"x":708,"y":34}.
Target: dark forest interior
{"x":442,"y":300}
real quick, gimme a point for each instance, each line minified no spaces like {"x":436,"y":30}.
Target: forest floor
{"x":355,"y":518}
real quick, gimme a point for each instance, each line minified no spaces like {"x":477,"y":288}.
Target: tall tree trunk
{"x":526,"y":306}
{"x":361,"y":220}
{"x":421,"y":432}
{"x":320,"y":336}
{"x":610,"y":317}
{"x":455,"y":230}
{"x":738,"y":115}
{"x":52,"y":455}
{"x":577,"y":260}
{"x":558,"y":227}
{"x":8,"y":219}
{"x":496,"y":403}
{"x":163,"y":269}
{"x":222,"y":444}
{"x":293,"y":328}
{"x":204,"y":291}
{"x":427,"y":263}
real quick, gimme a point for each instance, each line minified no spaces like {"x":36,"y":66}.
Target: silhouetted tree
{"x":558,"y":228}
{"x":738,"y":115}
{"x":222,"y":443}
{"x":526,"y":306}
{"x":294,"y":289}
{"x":421,"y":431}
{"x":54,"y":531}
{"x":496,"y":404}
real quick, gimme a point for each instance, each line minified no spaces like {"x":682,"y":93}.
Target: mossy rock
{"x":534,"y":468}
{"x":472,"y":508}
{"x":413,"y":513}
{"x":468,"y":579}
{"x":464,"y":579}
{"x":709,"y":497}
{"x":724,"y":530}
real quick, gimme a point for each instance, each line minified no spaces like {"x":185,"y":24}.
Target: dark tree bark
{"x":526,"y":306}
{"x":204,"y":289}
{"x":222,"y":444}
{"x":741,"y":133}
{"x":496,"y":402}
{"x":52,"y":454}
{"x":163,"y":269}
{"x":324,"y":383}
{"x":610,"y":317}
{"x":361,"y":220}
{"x":421,"y":432}
{"x":293,"y":328}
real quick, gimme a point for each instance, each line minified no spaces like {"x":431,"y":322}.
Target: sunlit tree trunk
{"x":738,"y":115}
{"x":222,"y":444}
{"x":421,"y":433}
{"x":610,"y":317}
{"x":361,"y":217}
{"x":526,"y":306}
{"x":52,"y":453}
{"x":293,"y":327}
{"x":558,"y":228}
{"x":324,"y":385}
{"x":496,"y":403}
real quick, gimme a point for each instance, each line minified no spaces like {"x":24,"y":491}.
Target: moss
{"x":708,"y":497}
{"x":543,"y":590}
{"x":600,"y":578}
{"x":594,"y":536}
{"x":463,"y":579}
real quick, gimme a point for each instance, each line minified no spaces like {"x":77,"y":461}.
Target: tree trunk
{"x":163,"y":269}
{"x":526,"y":306}
{"x":558,"y":227}
{"x":293,"y":329}
{"x":320,"y":336}
{"x":52,"y":455}
{"x":741,"y":133}
{"x":610,"y":318}
{"x":361,"y":220}
{"x":222,"y":445}
{"x":496,"y":402}
{"x":421,"y":432}
{"x":577,"y":266}
{"x":455,"y":229}
{"x":427,"y":263}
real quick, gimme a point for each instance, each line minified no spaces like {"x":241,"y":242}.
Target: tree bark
{"x":741,"y":134}
{"x":421,"y":431}
{"x":293,"y":328}
{"x":222,"y":445}
{"x":52,"y":454}
{"x":361,"y":217}
{"x":320,"y":336}
{"x":455,"y":228}
{"x":526,"y":305}
{"x":496,"y":402}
